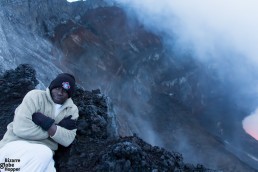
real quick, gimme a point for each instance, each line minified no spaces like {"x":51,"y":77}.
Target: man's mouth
{"x":58,"y":98}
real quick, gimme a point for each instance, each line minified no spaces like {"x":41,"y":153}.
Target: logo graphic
{"x":2,"y":165}
{"x":9,"y":165}
{"x":66,"y":85}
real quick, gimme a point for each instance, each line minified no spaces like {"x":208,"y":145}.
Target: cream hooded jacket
{"x":23,"y":128}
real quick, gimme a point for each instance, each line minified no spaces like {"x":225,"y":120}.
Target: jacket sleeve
{"x":23,"y":126}
{"x":64,"y":136}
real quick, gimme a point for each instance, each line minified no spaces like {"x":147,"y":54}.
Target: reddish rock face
{"x":103,"y":35}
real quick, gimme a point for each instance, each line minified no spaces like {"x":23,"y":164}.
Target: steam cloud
{"x":220,"y":34}
{"x":214,"y":31}
{"x":204,"y":26}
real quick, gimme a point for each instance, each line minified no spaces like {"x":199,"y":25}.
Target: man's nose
{"x":60,"y":92}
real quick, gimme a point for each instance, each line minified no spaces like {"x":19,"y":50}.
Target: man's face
{"x":59,"y":95}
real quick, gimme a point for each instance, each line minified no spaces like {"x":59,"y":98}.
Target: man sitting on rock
{"x":43,"y":120}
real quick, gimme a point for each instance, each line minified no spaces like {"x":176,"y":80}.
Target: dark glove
{"x":68,"y":123}
{"x":42,"y":120}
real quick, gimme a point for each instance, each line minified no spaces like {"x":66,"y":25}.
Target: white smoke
{"x":204,"y":26}
{"x":220,"y":34}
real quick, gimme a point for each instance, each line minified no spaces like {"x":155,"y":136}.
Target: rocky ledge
{"x":97,"y":146}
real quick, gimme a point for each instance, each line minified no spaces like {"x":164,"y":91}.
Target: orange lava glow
{"x":250,"y":124}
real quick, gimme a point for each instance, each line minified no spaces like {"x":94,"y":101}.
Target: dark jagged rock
{"x":14,"y":84}
{"x":97,"y":146}
{"x":133,"y":154}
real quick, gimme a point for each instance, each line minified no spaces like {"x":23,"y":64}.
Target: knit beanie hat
{"x":64,"y":80}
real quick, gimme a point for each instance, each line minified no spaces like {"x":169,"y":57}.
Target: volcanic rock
{"x":97,"y":146}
